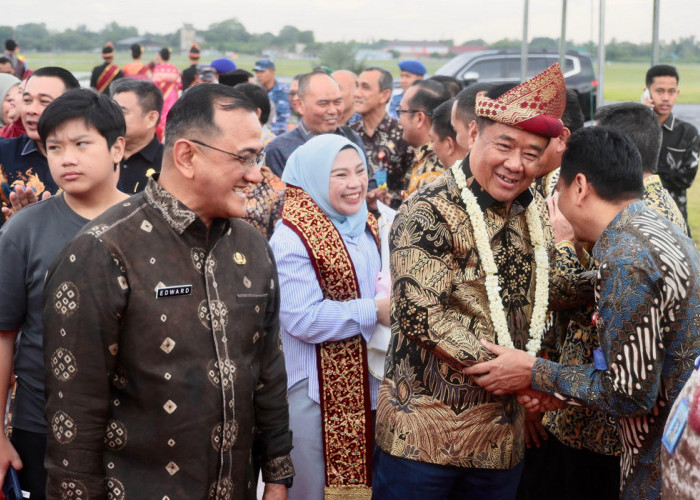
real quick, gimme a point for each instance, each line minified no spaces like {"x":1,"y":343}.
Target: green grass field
{"x":623,"y":82}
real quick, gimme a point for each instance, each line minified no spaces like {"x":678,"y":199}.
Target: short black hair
{"x":452,"y":85}
{"x":164,"y":53}
{"x":149,"y":96}
{"x":69,"y":81}
{"x":572,"y":118}
{"x":466,"y":101}
{"x":639,"y":122}
{"x":235,"y":77}
{"x":136,"y":50}
{"x":10,"y":44}
{"x":193,"y":112}
{"x":428,"y":96}
{"x":661,"y":70}
{"x":608,"y":159}
{"x":4,"y":60}
{"x":441,"y":120}
{"x":386,"y":81}
{"x":96,"y":110}
{"x":259,"y":96}
{"x":305,"y":81}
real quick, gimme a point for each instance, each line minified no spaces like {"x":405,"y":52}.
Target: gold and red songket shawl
{"x":106,"y":77}
{"x":346,"y":415}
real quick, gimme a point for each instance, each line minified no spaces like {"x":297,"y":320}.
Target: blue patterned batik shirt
{"x":279,"y":97}
{"x":648,"y":320}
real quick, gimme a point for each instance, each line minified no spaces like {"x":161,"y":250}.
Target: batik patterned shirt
{"x":166,"y":376}
{"x":387,"y":150}
{"x":648,"y":322}
{"x":678,"y":159}
{"x":279,"y":96}
{"x":426,"y":168}
{"x":427,"y":409}
{"x":264,"y":203}
{"x":577,"y":426}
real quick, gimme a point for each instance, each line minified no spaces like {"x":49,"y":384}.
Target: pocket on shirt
{"x":252,"y":298}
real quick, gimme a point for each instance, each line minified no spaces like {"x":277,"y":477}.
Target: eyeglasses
{"x":248,"y":161}
{"x":400,"y":112}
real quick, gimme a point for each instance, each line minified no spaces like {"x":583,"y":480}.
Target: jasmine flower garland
{"x":493,"y":289}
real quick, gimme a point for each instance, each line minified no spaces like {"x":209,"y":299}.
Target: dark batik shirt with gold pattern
{"x":427,"y":410}
{"x":387,"y":150}
{"x":577,"y":426}
{"x":426,"y":168}
{"x":164,"y":396}
{"x":648,"y":323}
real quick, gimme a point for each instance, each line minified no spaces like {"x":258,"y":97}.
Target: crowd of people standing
{"x":190,"y":275}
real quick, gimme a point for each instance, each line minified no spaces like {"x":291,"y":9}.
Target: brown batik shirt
{"x":427,"y":409}
{"x":165,"y":373}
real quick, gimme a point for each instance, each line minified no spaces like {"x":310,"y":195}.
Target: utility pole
{"x":601,"y":53}
{"x":655,"y":34}
{"x":523,"y":47}
{"x":562,"y":38}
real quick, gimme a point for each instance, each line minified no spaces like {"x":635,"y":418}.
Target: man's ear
{"x":152,"y":118}
{"x":117,"y":150}
{"x":583,"y":189}
{"x":563,"y":139}
{"x":184,"y":158}
{"x":472,"y":133}
{"x":386,"y":95}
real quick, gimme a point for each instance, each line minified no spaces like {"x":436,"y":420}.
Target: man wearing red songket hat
{"x":471,"y":259}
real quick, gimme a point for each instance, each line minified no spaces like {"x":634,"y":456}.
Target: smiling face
{"x":348,"y":184}
{"x":39,"y":92}
{"x":368,"y":96}
{"x":221,"y":181}
{"x":322,"y":104}
{"x":80,"y":161}
{"x":505,"y":160}
{"x":10,"y":109}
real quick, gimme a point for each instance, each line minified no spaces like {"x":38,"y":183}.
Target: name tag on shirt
{"x":173,"y":291}
{"x":676,"y":426}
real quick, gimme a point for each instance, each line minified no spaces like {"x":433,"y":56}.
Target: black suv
{"x":503,"y":66}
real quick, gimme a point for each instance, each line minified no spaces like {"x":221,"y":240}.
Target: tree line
{"x":231,"y":35}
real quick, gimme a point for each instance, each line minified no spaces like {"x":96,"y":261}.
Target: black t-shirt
{"x":136,"y":170}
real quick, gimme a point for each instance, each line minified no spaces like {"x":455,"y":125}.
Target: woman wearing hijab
{"x":327,"y":254}
{"x":10,"y":99}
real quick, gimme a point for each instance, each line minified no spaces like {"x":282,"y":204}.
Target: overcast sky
{"x":366,"y":20}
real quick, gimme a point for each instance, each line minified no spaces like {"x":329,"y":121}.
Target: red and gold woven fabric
{"x":536,"y":105}
{"x":342,"y":365}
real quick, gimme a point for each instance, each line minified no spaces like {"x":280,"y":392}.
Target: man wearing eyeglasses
{"x":415,"y":116}
{"x":168,"y":379}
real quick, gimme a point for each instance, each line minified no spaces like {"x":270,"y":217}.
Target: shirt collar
{"x":30,"y":147}
{"x":669,"y":122}
{"x":619,"y":221}
{"x":175,"y":213}
{"x":305,"y":131}
{"x":150,"y":150}
{"x":484,"y":199}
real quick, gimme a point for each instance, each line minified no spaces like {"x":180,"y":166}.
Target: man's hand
{"x":509,"y":372}
{"x":534,"y":430}
{"x":539,"y":402}
{"x":384,"y":311}
{"x":275,"y":492}
{"x":21,"y":197}
{"x":562,"y":229}
{"x":8,"y":456}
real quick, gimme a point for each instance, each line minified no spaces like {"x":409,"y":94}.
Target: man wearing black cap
{"x":411,"y":71}
{"x":277,"y":92}
{"x":104,"y":74}
{"x":190,"y":73}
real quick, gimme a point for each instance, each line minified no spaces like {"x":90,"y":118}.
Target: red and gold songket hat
{"x":536,"y":105}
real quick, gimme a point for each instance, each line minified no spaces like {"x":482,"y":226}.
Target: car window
{"x":535,"y":65}
{"x":488,"y":68}
{"x":569,"y":63}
